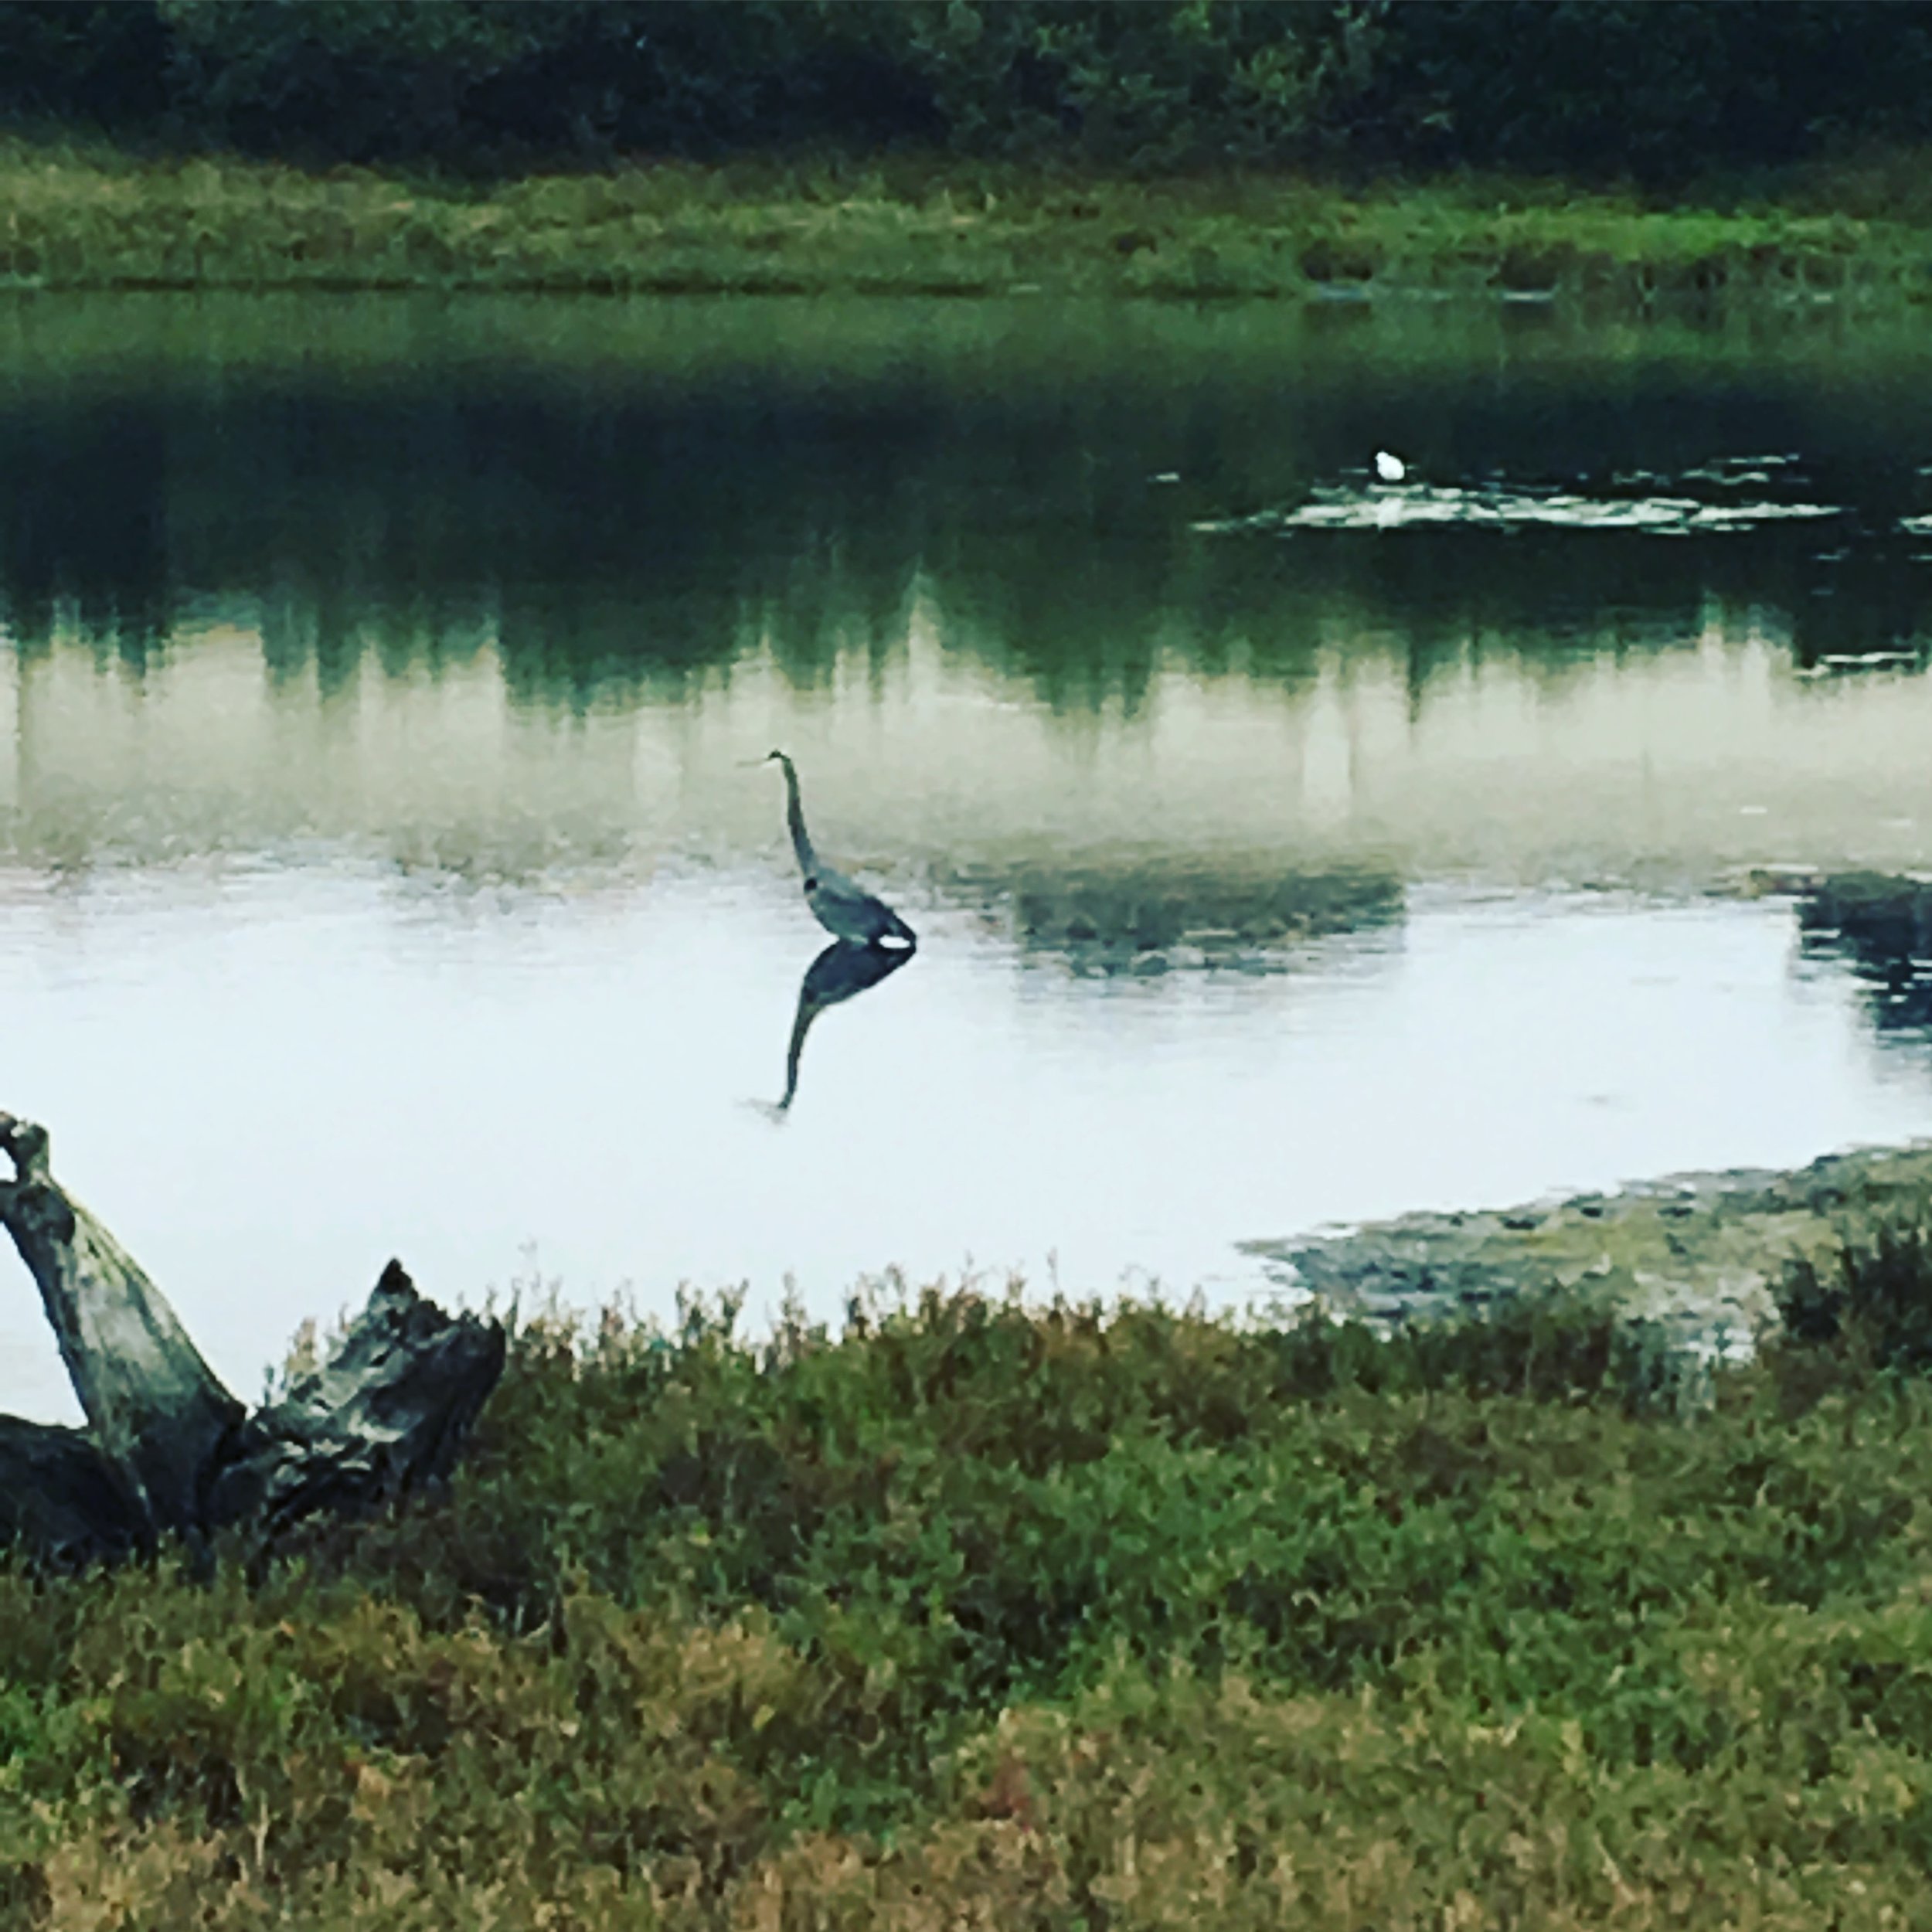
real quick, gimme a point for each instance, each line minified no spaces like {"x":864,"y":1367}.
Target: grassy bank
{"x":93,"y":218}
{"x":980,"y":1616}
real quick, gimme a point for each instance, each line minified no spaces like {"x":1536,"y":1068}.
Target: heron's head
{"x":775,"y":757}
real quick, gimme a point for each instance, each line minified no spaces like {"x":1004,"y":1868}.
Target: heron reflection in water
{"x":842,"y":970}
{"x":870,"y":941}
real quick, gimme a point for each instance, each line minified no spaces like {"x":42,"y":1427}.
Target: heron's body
{"x":846,"y":910}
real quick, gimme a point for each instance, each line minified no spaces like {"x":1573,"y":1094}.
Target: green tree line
{"x":1648,"y":90}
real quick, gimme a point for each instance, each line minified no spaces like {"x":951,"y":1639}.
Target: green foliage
{"x":1868,"y":1305}
{"x":1049,"y":1616}
{"x":1150,"y":87}
{"x":101,"y":217}
{"x":1657,"y":92}
{"x":1606,"y":87}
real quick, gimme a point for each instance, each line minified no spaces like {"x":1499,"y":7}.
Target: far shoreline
{"x":91,"y":218}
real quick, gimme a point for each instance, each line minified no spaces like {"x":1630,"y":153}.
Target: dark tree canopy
{"x":1650,"y":89}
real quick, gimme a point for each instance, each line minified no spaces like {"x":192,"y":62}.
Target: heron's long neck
{"x":795,"y":819}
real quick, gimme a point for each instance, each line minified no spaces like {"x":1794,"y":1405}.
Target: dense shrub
{"x":1653,"y":89}
{"x":1052,"y":1616}
{"x":1869,"y":1305}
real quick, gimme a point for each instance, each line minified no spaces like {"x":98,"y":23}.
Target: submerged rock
{"x":1121,"y":918}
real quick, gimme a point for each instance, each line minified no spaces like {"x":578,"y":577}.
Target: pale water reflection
{"x":380,"y":870}
{"x":269,"y":1079}
{"x":1653,"y":754}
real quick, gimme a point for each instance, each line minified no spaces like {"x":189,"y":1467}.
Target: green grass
{"x":77,"y":217}
{"x":981,"y":1615}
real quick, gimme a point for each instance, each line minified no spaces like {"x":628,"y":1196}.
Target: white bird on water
{"x":846,"y":911}
{"x":1390,"y":469}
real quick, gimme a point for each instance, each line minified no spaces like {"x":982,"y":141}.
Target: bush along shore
{"x":981,"y":1612}
{"x":92,"y":219}
{"x":1158,"y":147}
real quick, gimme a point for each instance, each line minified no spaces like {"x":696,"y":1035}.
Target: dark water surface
{"x":383,"y":868}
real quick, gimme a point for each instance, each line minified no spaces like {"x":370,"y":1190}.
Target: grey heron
{"x":846,"y":910}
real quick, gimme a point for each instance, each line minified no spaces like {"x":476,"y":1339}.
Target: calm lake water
{"x":385,"y":868}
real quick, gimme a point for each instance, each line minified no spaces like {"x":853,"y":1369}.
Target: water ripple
{"x":1491,"y":506}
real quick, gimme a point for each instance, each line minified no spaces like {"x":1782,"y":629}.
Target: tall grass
{"x":79,"y":217}
{"x":981,"y":1613}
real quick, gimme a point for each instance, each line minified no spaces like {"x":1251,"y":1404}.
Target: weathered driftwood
{"x":167,"y":1449}
{"x":59,"y":1494}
